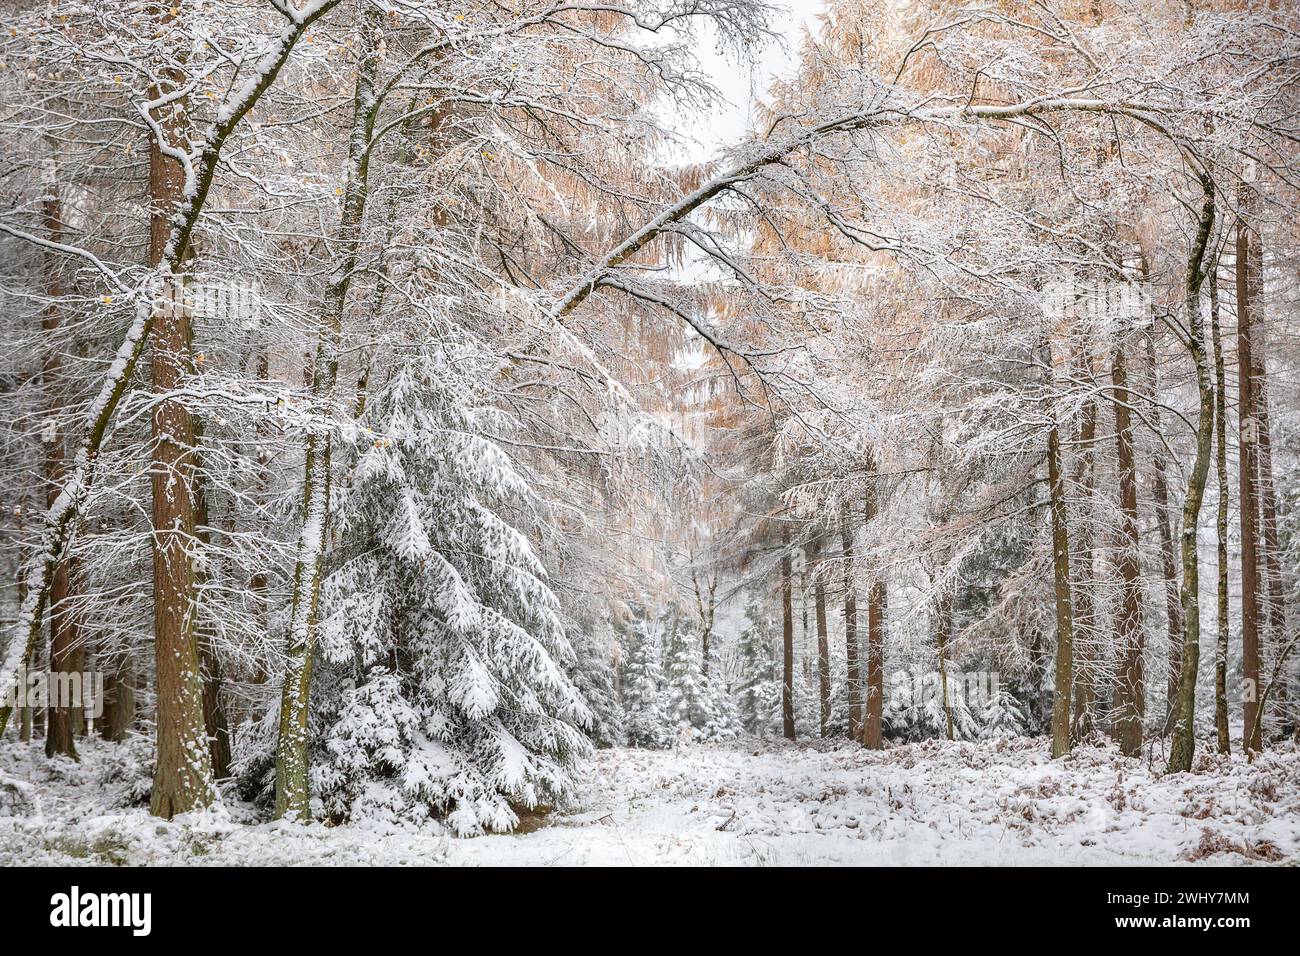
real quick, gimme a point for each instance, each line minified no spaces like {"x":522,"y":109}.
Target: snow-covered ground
{"x":748,"y":802}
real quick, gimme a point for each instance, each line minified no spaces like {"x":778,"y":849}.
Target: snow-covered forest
{"x":423,"y":439}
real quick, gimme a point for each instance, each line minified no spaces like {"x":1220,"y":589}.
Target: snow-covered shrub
{"x":18,"y":798}
{"x":440,"y":611}
{"x":129,"y":766}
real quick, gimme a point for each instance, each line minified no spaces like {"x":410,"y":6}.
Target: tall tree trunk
{"x":67,"y":665}
{"x":1064,"y":612}
{"x":215,"y":721}
{"x":852,"y":680}
{"x":119,"y":698}
{"x":823,"y":643}
{"x":1275,"y":602}
{"x":25,"y":710}
{"x":1183,"y":747}
{"x":1168,"y":556}
{"x":1130,"y":689}
{"x":706,"y":606}
{"x":873,"y":717}
{"x":1085,"y":640}
{"x":183,"y":772}
{"x":1248,"y":506}
{"x":1221,"y":519}
{"x":787,"y":638}
{"x":291,"y":762}
{"x":67,"y":658}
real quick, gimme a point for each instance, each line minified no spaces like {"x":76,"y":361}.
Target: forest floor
{"x":748,"y":802}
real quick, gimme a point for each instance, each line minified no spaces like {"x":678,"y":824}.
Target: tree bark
{"x":67,"y":665}
{"x":215,"y":721}
{"x":25,"y":710}
{"x":706,"y":606}
{"x":1221,"y":520}
{"x":1183,"y":747}
{"x":873,"y":717}
{"x":1130,"y":689}
{"x":787,"y":639}
{"x":1064,"y":612}
{"x":1168,"y":556}
{"x":1247,"y":280}
{"x":291,"y":763}
{"x":119,"y":698}
{"x":852,"y":678}
{"x":1275,"y":595}
{"x":67,"y":658}
{"x":1085,"y":642}
{"x":823,"y":640}
{"x":183,"y":772}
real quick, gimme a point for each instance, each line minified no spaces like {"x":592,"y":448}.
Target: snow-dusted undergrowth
{"x":744,"y":802}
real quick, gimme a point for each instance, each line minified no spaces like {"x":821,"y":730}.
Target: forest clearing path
{"x":743,"y":802}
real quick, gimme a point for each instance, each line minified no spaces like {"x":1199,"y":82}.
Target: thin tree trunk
{"x":1130,"y":689}
{"x":258,"y":580}
{"x":1064,"y":612}
{"x":873,"y":719}
{"x":1221,"y":520}
{"x":1248,"y":506}
{"x":67,"y":664}
{"x":1168,"y":557}
{"x":25,"y":709}
{"x":291,"y":764}
{"x":706,"y":607}
{"x":1085,"y":641}
{"x":852,"y":679}
{"x":215,"y":721}
{"x":1183,"y":747}
{"x":119,"y":686}
{"x":787,"y":639}
{"x":823,"y":642}
{"x":1275,"y":602}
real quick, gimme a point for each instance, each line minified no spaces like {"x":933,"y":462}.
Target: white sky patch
{"x":742,"y":85}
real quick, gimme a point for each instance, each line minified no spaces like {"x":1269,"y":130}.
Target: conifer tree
{"x":757,"y":692}
{"x":441,"y":611}
{"x":1002,"y":716}
{"x":643,"y":688}
{"x":593,"y":675}
{"x":684,"y":677}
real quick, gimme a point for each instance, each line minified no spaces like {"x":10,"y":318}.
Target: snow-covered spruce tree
{"x":593,"y":675}
{"x":719,"y":718}
{"x":757,"y":693}
{"x":915,"y":711}
{"x":643,"y":689}
{"x":684,"y":676}
{"x":439,"y":609}
{"x":1002,"y":716}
